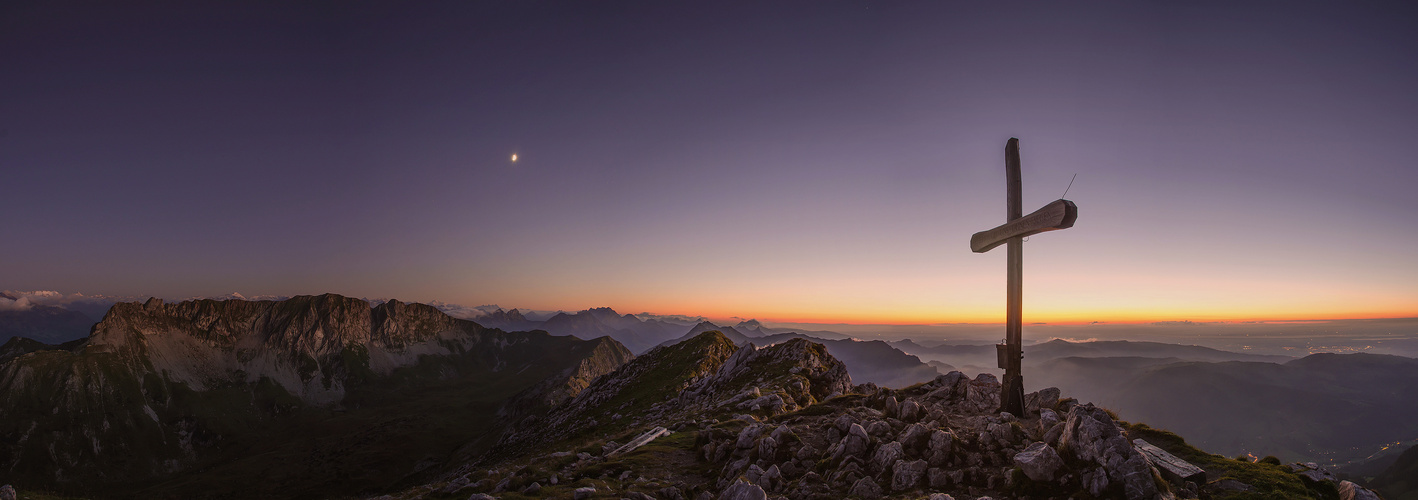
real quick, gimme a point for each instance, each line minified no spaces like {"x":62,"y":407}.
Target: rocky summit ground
{"x":706,"y":420}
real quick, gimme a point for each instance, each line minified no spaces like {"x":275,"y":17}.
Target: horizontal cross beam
{"x":1057,"y":215}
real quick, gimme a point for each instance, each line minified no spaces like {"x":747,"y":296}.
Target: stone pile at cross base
{"x":942,"y":436}
{"x":757,"y":425}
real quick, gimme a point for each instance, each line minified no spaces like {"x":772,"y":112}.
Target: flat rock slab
{"x":639,"y":441}
{"x":1174,"y":469}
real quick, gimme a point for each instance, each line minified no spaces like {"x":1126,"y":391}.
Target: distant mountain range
{"x":638,"y":335}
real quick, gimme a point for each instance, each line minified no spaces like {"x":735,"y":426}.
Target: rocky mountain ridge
{"x":785,"y":422}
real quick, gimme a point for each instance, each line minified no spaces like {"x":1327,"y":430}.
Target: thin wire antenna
{"x":1070,"y":186}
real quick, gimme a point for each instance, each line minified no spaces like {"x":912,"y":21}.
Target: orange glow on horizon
{"x":1110,"y":317}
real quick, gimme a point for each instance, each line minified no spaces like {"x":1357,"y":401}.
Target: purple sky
{"x":794,"y":161}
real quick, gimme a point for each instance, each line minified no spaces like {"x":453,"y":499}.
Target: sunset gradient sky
{"x":789,"y":161}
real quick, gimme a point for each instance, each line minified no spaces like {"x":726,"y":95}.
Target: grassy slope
{"x":257,"y":439}
{"x":392,"y":430}
{"x":1272,"y":481}
{"x":1400,"y":480}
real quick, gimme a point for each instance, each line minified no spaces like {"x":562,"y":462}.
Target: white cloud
{"x":20,"y":304}
{"x":462,"y":311}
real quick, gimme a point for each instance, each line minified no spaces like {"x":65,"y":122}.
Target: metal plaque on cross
{"x":1057,"y":215}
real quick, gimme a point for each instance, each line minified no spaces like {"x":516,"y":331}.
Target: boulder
{"x":742,"y":490}
{"x":856,"y":442}
{"x":1046,"y":398}
{"x":940,"y":496}
{"x":886,"y":455}
{"x":768,"y":448}
{"x":952,"y":385}
{"x":807,"y":453}
{"x":1047,"y":419}
{"x":891,"y":407}
{"x":982,"y":394}
{"x":754,"y":474}
{"x":7,"y":492}
{"x":910,"y":411}
{"x":748,"y":436}
{"x":1095,"y":481}
{"x":940,"y":447}
{"x":907,"y":475}
{"x":938,"y":478}
{"x":844,"y":423}
{"x":848,"y":472}
{"x":772,"y":479}
{"x":735,"y":468}
{"x":1053,"y":434}
{"x":783,"y":434}
{"x":1091,"y":435}
{"x":1004,"y":433}
{"x":583,"y":493}
{"x":879,"y":428}
{"x":1351,"y":491}
{"x":1314,"y":472}
{"x":865,"y":488}
{"x":1040,"y":462}
{"x":915,"y":438}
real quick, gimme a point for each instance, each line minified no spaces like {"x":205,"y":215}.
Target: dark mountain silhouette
{"x":755,"y":328}
{"x":636,"y":334}
{"x":1114,"y":348}
{"x":1400,"y":480}
{"x":704,"y":326}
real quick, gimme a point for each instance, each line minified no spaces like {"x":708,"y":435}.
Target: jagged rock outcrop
{"x":703,"y":375}
{"x":1091,"y":435}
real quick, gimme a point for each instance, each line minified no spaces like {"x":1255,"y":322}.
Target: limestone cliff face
{"x":157,"y":385}
{"x":298,"y":343}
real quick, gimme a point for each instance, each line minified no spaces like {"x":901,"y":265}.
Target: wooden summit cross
{"x":1057,"y":215}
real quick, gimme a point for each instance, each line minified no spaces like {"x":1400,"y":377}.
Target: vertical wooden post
{"x":1012,"y":390}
